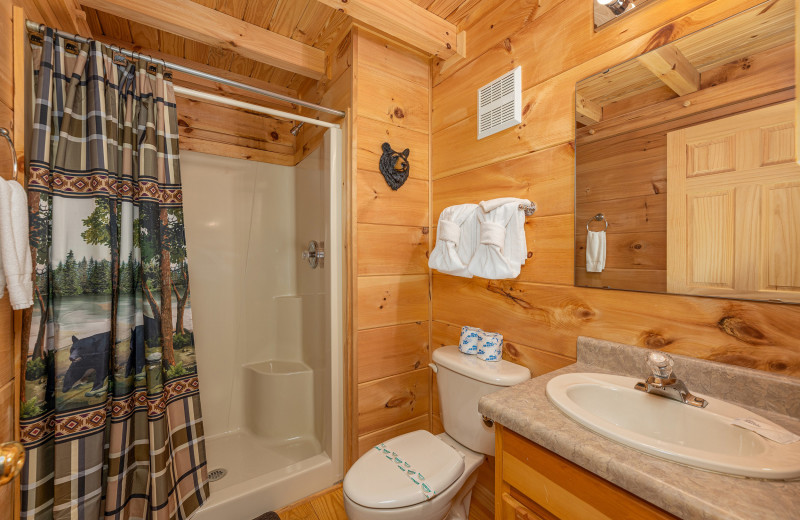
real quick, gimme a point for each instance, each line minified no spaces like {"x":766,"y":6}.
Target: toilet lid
{"x":403,"y":471}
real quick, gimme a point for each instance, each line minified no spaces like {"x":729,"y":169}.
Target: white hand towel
{"x":595,"y":251}
{"x":5,"y":223}
{"x":14,"y":246}
{"x":456,"y":240}
{"x":502,"y":250}
{"x":5,"y":194}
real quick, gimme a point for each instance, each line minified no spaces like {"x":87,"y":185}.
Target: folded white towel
{"x":502,"y":250}
{"x":456,"y":240}
{"x":3,"y":217}
{"x":595,"y":251}
{"x":14,"y":246}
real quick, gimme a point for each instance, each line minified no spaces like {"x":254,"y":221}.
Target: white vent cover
{"x":500,"y":104}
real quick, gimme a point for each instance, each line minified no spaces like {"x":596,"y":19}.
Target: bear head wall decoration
{"x":394,"y":166}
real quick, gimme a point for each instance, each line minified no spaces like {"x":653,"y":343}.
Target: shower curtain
{"x":110,"y":415}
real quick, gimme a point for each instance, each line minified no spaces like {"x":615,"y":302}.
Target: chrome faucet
{"x":664,"y":383}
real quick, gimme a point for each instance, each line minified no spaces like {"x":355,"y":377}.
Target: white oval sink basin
{"x":700,"y":437}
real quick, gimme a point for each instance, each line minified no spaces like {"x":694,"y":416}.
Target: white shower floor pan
{"x":262,"y":475}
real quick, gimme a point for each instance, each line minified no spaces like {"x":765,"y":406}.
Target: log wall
{"x":541,"y":313}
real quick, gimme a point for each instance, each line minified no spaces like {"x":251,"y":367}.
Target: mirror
{"x":688,"y":153}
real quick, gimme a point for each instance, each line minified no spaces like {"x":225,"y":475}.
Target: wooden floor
{"x":325,"y":505}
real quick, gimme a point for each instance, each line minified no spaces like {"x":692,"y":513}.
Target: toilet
{"x":430,"y":477}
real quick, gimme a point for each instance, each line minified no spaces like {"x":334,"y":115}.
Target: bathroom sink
{"x":700,"y":437}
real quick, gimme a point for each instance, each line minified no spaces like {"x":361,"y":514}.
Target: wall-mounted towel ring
{"x":599,"y":217}
{"x":5,"y":134}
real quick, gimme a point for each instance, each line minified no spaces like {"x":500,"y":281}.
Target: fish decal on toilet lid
{"x":407,"y":468}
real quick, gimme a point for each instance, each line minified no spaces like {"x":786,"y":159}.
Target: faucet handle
{"x":660,"y":364}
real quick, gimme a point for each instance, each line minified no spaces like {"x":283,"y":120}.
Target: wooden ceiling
{"x":309,"y":22}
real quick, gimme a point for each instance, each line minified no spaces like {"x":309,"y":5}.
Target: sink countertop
{"x":681,"y":490}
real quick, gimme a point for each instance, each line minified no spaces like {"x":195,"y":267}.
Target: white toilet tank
{"x":463,"y":379}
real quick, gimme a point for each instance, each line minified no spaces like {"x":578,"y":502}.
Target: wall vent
{"x":500,"y":104}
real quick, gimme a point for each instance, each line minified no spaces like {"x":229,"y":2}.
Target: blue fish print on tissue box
{"x":470,"y":336}
{"x":490,"y":346}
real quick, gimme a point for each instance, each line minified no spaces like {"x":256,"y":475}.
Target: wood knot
{"x":660,"y":38}
{"x":511,"y":350}
{"x":777,"y":366}
{"x":637,"y":246}
{"x":741,"y":330}
{"x":507,"y":293}
{"x":583,"y":312}
{"x":402,"y":400}
{"x":507,"y":44}
{"x":274,"y":135}
{"x":526,"y":108}
{"x":398,"y":113}
{"x":652,"y":339}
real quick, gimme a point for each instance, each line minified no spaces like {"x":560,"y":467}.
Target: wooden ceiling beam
{"x":587,"y":111}
{"x":188,"y":81}
{"x":203,"y":24}
{"x":408,"y":22}
{"x":64,"y":15}
{"x":673,"y":69}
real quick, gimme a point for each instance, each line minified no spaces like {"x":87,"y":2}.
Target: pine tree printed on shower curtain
{"x":110,"y":415}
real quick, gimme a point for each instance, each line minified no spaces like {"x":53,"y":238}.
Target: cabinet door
{"x":733,"y":207}
{"x":560,"y":489}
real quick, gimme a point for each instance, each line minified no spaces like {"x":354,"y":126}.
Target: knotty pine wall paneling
{"x":392,"y":92}
{"x":12,"y":74}
{"x":541,"y":313}
{"x":386,"y":89}
{"x":7,"y":355}
{"x":221,"y":130}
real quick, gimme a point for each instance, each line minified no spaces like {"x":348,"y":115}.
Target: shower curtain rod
{"x":36,"y":27}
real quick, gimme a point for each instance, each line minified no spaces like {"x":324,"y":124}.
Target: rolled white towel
{"x":595,"y":251}
{"x":502,"y":250}
{"x":14,"y":245}
{"x":5,"y":217}
{"x":456,"y":240}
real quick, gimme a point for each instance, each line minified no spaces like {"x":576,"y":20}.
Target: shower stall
{"x":268,"y":325}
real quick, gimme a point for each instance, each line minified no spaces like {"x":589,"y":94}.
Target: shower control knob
{"x":315,"y":254}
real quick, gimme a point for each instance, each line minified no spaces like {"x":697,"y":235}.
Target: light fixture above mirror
{"x":606,"y":11}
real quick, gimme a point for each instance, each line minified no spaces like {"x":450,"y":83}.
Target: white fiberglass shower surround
{"x":268,"y":327}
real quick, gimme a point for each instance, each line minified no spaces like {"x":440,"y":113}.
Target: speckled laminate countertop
{"x":683,"y":491}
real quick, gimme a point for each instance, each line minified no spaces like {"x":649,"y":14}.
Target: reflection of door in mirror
{"x":733,"y":207}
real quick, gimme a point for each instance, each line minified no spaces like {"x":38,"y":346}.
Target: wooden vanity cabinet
{"x":533,"y":483}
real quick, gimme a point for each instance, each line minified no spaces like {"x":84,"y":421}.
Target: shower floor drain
{"x":217,"y":474}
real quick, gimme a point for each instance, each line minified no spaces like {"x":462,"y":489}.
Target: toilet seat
{"x":403,"y":471}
